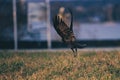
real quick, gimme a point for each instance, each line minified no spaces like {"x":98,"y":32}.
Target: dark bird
{"x":66,"y":32}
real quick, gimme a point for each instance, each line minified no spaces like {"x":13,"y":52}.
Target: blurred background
{"x":27,"y":24}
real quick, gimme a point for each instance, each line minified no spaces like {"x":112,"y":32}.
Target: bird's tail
{"x":81,"y":45}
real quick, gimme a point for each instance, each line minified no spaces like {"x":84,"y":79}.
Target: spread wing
{"x":71,"y":25}
{"x":61,"y":27}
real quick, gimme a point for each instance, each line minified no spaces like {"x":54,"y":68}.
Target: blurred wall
{"x":93,"y":20}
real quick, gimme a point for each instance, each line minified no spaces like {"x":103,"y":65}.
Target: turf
{"x":46,"y":65}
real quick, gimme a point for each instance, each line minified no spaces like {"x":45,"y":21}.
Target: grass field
{"x":88,"y":65}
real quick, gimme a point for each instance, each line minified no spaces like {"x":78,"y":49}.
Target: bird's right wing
{"x":71,"y":23}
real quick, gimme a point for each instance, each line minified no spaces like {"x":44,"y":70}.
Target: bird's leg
{"x":74,"y":51}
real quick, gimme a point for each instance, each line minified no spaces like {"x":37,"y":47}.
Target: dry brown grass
{"x":88,"y":65}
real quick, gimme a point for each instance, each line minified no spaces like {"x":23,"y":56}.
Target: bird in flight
{"x":65,"y":31}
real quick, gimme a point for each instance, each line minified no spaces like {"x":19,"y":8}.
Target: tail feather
{"x":81,"y":45}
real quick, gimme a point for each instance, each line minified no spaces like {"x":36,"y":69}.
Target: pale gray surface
{"x":65,"y":49}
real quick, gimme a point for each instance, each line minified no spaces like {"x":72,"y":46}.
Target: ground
{"x":60,"y":65}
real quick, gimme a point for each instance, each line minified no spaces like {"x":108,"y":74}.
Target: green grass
{"x":99,"y":65}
